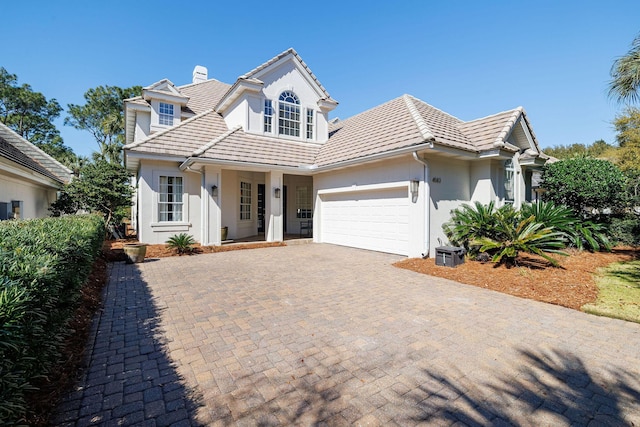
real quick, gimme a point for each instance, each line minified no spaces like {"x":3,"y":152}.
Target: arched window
{"x":289,"y":114}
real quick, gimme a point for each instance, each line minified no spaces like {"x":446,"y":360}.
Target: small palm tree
{"x":528,"y":236}
{"x":579,"y":234}
{"x":625,"y":74}
{"x":472,"y":222}
{"x":181,"y":243}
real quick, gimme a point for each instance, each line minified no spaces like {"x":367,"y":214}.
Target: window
{"x":508,"y":181}
{"x":303,"y":203}
{"x":170,"y":198}
{"x":268,"y":115}
{"x":16,"y":209}
{"x":309,"y":124}
{"x":245,"y":200}
{"x":289,"y":114}
{"x":165,"y":114}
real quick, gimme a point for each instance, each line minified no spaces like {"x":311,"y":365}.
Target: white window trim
{"x":300,"y":112}
{"x":156,"y":200}
{"x":240,"y":203}
{"x":264,"y":116}
{"x":313,"y":124}
{"x":166,"y":115}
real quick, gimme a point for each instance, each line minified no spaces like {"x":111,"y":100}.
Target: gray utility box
{"x":449,"y":256}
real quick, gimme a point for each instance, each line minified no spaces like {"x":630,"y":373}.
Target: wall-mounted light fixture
{"x":277,"y":192}
{"x":214,"y":190}
{"x":414,"y":184}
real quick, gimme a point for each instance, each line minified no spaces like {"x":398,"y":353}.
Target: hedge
{"x":43,"y":264}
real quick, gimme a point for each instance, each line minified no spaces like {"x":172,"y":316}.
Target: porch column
{"x":273,"y":206}
{"x":212,"y":214}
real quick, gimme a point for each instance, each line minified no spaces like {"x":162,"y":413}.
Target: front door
{"x":261,"y":204}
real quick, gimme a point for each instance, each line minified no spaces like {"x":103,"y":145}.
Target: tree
{"x":101,"y":187}
{"x":625,"y":74}
{"x":103,"y":116}
{"x":31,"y":115}
{"x":584,"y":184}
{"x":599,"y":149}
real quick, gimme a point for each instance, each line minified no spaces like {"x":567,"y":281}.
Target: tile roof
{"x":400,"y":123}
{"x":18,"y":150}
{"x":490,"y":131}
{"x":202,"y":96}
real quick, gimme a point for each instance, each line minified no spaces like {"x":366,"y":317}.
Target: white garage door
{"x":375,"y":220}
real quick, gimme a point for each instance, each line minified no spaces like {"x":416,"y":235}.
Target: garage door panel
{"x":375,"y":220}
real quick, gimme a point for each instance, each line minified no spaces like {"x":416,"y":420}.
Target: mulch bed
{"x":571,"y":285}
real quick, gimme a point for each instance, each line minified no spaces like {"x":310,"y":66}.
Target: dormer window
{"x":289,"y":114}
{"x":165,"y":114}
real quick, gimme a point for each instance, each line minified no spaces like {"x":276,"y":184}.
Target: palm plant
{"x":527,"y":236}
{"x":471,"y":222}
{"x":580,"y":234}
{"x":625,"y":74}
{"x":181,"y":243}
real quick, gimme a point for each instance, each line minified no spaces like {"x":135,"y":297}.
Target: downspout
{"x":204,"y":204}
{"x":427,"y":201}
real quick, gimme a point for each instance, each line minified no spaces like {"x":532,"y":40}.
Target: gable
{"x":164,"y":90}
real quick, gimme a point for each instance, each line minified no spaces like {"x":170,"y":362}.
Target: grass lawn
{"x":618,"y":292}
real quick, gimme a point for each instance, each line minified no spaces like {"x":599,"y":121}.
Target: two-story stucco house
{"x":263,"y":156}
{"x":29,"y":178}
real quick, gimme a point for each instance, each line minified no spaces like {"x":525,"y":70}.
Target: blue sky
{"x":468,"y":58}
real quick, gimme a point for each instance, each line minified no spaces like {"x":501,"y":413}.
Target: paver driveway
{"x":319,"y":334}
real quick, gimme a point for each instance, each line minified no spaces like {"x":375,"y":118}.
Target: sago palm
{"x":181,"y":243}
{"x":528,"y":236}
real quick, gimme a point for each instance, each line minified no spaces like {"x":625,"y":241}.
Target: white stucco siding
{"x":36,"y":199}
{"x":482,"y":186}
{"x":237,"y":114}
{"x":150,"y":229}
{"x":254,"y":114}
{"x":450,"y":188}
{"x":143,"y":125}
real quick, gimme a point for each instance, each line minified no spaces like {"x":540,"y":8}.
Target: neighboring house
{"x":262,"y":156}
{"x":29,"y":178}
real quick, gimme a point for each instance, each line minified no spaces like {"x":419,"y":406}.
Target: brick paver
{"x":326,"y":335}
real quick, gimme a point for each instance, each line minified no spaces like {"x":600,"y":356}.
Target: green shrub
{"x":472,"y":222}
{"x":43,"y":264}
{"x":579,"y":234}
{"x":526,"y":236}
{"x":181,"y":243}
{"x":625,"y":230}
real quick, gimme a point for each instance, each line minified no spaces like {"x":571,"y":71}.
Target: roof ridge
{"x":199,"y":83}
{"x":213,"y":142}
{"x":417,"y":117}
{"x":519,"y":108}
{"x":162,"y":132}
{"x":500,"y":139}
{"x":435,"y":108}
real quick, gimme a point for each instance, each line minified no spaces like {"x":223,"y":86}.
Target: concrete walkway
{"x":325,"y":335}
